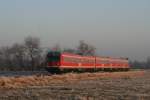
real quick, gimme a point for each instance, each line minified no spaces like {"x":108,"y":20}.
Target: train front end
{"x":53,"y":60}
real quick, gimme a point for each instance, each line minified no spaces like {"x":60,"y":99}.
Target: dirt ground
{"x":132,"y":85}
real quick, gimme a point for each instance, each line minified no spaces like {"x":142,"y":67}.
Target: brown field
{"x":132,"y":85}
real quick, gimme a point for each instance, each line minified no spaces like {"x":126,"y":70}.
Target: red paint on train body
{"x":73,"y":61}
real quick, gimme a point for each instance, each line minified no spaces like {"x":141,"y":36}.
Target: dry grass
{"x":41,"y":80}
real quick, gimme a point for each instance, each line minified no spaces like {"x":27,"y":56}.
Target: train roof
{"x":123,"y":58}
{"x":117,"y":58}
{"x":103,"y":57}
{"x":77,"y":55}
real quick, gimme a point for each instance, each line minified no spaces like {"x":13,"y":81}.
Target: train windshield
{"x":53,"y":56}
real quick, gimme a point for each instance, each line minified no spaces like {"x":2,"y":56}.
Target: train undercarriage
{"x":57,"y":70}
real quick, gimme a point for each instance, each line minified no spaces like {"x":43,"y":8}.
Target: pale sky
{"x":115,"y":27}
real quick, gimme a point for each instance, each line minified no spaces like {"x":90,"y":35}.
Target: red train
{"x":61,"y":62}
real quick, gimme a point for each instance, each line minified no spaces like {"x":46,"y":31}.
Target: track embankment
{"x":46,"y":80}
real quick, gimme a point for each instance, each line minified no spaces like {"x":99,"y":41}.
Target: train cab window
{"x":53,"y":56}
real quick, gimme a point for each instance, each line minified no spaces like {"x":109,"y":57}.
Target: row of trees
{"x":82,"y":49}
{"x":141,"y":64}
{"x":25,"y":56}
{"x":30,"y":56}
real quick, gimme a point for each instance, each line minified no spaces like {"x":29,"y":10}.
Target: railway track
{"x":45,"y":73}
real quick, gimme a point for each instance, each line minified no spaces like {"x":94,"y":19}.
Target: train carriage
{"x":59,"y":62}
{"x":76,"y":61}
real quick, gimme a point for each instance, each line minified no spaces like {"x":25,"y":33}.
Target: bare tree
{"x":6,"y":58}
{"x":18,"y":51}
{"x":33,"y":50}
{"x":148,"y":62}
{"x":86,"y":49}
